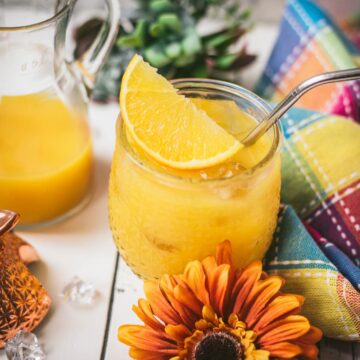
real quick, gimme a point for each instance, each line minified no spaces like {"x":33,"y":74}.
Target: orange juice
{"x":182,"y":181}
{"x":45,"y":157}
{"x":161,"y":218}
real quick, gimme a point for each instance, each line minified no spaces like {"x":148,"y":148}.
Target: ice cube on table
{"x":80,"y":292}
{"x":24,"y":346}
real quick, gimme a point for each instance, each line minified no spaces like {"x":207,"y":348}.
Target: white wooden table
{"x":83,"y":246}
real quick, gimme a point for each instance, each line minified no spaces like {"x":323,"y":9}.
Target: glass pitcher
{"x":45,"y":142}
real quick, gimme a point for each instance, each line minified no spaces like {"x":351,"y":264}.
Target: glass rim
{"x":41,"y":24}
{"x":237,"y":90}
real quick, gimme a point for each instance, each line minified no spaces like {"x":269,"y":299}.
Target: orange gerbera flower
{"x":213,"y":311}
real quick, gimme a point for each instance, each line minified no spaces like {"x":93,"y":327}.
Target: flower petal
{"x":144,"y":338}
{"x":186,"y":297}
{"x":203,"y":325}
{"x":283,"y":350}
{"x":139,"y":354}
{"x":194,"y":276}
{"x":307,"y":342}
{"x":291,"y":328}
{"x":281,"y":306}
{"x":159,"y":304}
{"x":262,"y":292}
{"x":178,"y":332}
{"x":314,"y":335}
{"x":260,"y":355}
{"x":187,"y":316}
{"x":218,"y":283}
{"x":223,"y":253}
{"x":145,"y":313}
{"x":210,"y":316}
{"x":190,"y":343}
{"x":168,"y":281}
{"x":244,"y":283}
{"x":209,"y":265}
{"x":220,"y":299}
{"x":309,"y":351}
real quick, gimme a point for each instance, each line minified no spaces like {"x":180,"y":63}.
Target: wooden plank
{"x":331,"y":349}
{"x":127,"y":289}
{"x":356,"y":351}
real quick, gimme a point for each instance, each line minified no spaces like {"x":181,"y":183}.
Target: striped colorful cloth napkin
{"x":317,"y":243}
{"x":310,"y":43}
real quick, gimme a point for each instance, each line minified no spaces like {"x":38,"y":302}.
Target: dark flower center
{"x":218,"y":346}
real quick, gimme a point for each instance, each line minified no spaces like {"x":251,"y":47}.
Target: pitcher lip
{"x":43,"y":23}
{"x":239,"y":91}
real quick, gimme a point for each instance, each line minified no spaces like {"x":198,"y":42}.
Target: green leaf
{"x":245,"y":14}
{"x":155,"y":30}
{"x":170,"y":21}
{"x":184,"y":60}
{"x":223,"y":38}
{"x":200,"y":71}
{"x":161,"y":5}
{"x":173,"y":50}
{"x":225,"y":61}
{"x":136,"y":38}
{"x":243,"y":59}
{"x":233,"y":61}
{"x":128,"y":41}
{"x":156,"y":56}
{"x":191,"y":43}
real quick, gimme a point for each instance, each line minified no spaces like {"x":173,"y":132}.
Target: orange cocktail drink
{"x":162,"y":217}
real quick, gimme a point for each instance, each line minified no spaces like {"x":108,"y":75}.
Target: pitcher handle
{"x":93,"y":58}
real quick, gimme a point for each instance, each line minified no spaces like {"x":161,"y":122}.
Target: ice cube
{"x":80,"y":292}
{"x":24,"y":346}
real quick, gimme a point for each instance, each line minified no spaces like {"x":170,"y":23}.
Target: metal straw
{"x":293,"y":97}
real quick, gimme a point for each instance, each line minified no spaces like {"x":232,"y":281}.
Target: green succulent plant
{"x":165,"y":33}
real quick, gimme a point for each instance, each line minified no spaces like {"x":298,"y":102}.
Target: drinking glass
{"x":162,"y":218}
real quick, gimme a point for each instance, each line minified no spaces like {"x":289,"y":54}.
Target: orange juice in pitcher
{"x":45,"y":142}
{"x":45,"y":177}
